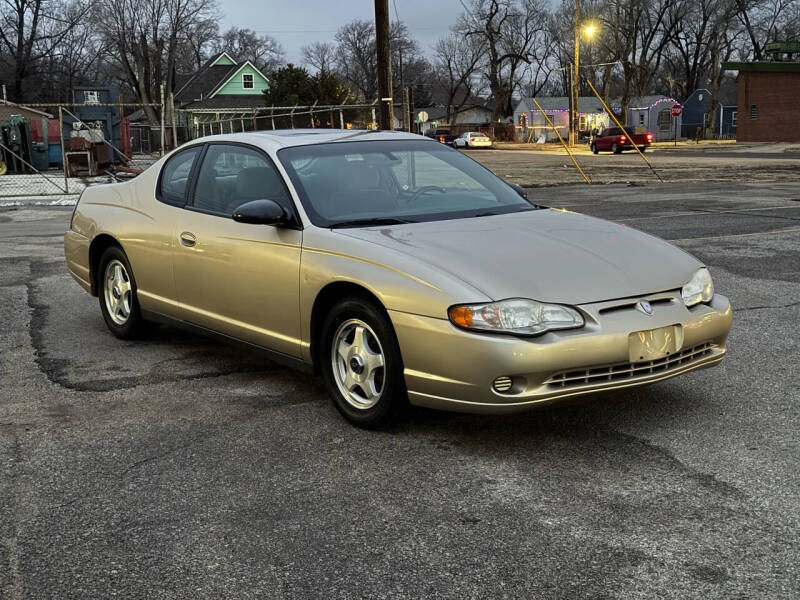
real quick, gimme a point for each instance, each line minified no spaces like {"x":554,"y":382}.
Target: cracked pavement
{"x":177,"y":467}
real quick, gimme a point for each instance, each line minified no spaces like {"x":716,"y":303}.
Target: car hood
{"x":548,"y":255}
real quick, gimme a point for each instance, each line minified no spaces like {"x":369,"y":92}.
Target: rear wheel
{"x":643,"y":148}
{"x":615,"y":149}
{"x":594,"y":149}
{"x":361,"y":363}
{"x":117,"y":291}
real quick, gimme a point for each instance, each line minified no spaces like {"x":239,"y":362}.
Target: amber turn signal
{"x":461,"y":315}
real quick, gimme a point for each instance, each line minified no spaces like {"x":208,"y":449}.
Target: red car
{"x":444,"y":136}
{"x":613,"y":139}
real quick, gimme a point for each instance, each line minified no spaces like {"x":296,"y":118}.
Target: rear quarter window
{"x":173,"y":183}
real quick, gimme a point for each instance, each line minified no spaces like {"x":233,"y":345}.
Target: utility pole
{"x":411,"y":124}
{"x":384,"y":64}
{"x":576,"y":80}
{"x":404,"y":122}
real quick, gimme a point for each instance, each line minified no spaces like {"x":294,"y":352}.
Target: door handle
{"x":188,"y":239}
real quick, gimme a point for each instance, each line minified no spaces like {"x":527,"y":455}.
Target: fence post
{"x":163,"y":115}
{"x":63,"y":152}
{"x":272,"y":116}
{"x":174,"y":124}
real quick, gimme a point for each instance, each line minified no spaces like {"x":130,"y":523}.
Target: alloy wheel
{"x":358,"y":364}
{"x":117,"y":292}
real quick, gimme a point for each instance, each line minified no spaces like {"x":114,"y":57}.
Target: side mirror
{"x":519,"y":189}
{"x":260,"y":212}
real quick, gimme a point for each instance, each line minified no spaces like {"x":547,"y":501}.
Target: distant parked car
{"x":472,"y":139}
{"x":613,"y":139}
{"x":442,"y":135}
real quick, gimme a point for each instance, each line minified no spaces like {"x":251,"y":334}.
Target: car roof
{"x":283,"y":138}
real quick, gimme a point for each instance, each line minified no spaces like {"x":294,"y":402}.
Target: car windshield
{"x":374,"y":182}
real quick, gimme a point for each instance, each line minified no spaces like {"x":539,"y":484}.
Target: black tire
{"x":643,"y":149}
{"x":594,"y":149}
{"x":393,"y":397}
{"x":615,"y":149}
{"x":134,"y":326}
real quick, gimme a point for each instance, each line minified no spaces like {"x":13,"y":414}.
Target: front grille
{"x":629,"y":370}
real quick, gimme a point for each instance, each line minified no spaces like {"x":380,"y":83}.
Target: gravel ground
{"x":178,"y":468}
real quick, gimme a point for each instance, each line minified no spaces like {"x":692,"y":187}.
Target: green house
{"x":223,"y":89}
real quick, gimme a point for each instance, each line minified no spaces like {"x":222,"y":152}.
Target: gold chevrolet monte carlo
{"x":396,"y":268}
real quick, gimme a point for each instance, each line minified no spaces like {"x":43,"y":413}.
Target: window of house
{"x":582,"y":123}
{"x":734,"y":117}
{"x":664,"y":120}
{"x":641,"y":118}
{"x":247,"y":81}
{"x":753,"y":112}
{"x":91,"y":97}
{"x":233,"y":175}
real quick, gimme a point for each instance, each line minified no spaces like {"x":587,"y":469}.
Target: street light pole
{"x":576,"y":78}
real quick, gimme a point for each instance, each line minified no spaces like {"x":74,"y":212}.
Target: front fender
{"x":402,"y":283}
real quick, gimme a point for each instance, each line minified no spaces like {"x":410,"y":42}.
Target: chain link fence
{"x":49,"y":153}
{"x":193,"y":124}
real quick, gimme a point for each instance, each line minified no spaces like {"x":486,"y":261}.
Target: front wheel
{"x":594,"y":149}
{"x":361,"y":363}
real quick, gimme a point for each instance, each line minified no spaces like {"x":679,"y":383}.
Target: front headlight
{"x":518,"y":316}
{"x":699,"y":289}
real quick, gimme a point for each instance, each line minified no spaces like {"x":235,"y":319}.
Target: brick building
{"x":768,"y":93}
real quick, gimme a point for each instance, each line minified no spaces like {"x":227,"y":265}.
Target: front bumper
{"x":451,"y":369}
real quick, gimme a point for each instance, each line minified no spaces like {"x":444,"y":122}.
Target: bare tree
{"x":698,"y":42}
{"x":263,"y":51}
{"x":78,"y":59}
{"x":455,"y":63}
{"x":32,"y":29}
{"x":147,"y":36}
{"x":528,"y":42}
{"x":199,"y":43}
{"x":355,"y":58}
{"x":766,"y":20}
{"x":508,"y":31}
{"x":320,"y":56}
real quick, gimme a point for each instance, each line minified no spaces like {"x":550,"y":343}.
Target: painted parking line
{"x":712,"y":212}
{"x":736,"y":235}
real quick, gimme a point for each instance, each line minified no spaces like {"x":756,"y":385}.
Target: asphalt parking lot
{"x":179,"y":468}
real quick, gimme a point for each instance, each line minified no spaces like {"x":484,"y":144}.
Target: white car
{"x":472,"y":139}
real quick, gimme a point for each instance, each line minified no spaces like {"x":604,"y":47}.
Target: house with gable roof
{"x":222,"y":89}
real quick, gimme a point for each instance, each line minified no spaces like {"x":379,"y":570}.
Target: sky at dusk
{"x":298,"y":23}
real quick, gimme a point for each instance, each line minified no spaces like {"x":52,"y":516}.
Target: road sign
{"x":422,"y":116}
{"x":676,"y":110}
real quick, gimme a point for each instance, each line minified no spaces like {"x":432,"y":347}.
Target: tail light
{"x":649,"y":137}
{"x":622,"y":139}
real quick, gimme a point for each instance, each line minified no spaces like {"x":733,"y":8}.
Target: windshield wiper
{"x":370,"y":222}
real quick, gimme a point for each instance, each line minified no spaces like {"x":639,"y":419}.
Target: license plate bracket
{"x":654,"y":344}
